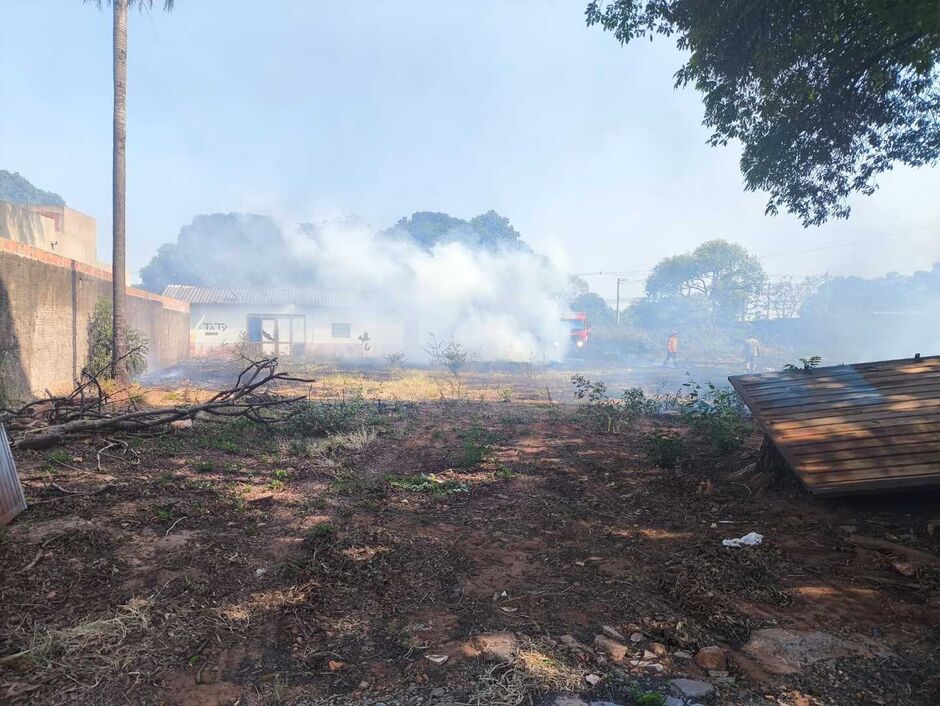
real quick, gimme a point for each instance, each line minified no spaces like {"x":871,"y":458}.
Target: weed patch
{"x":427,"y":483}
{"x":666,"y":449}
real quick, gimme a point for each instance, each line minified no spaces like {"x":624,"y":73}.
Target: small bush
{"x":319,"y":532}
{"x":665,"y":449}
{"x":451,"y":355}
{"x":717,"y":414}
{"x":395,"y":360}
{"x":324,"y":418}
{"x":100,"y":333}
{"x":806,"y":364}
{"x":504,"y":473}
{"x":613,"y":413}
{"x":477,"y":443}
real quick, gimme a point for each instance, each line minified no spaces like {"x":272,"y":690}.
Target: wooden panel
{"x":12,"y":501}
{"x":853,"y":428}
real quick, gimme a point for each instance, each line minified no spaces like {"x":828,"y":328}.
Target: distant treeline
{"x":245,"y":249}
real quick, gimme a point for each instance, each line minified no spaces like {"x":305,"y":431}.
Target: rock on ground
{"x":780,"y":651}
{"x":692,"y":688}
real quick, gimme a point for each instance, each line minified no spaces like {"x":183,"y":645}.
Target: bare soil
{"x":224,"y":565}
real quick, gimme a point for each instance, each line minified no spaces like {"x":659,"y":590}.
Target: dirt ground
{"x":472,"y":542}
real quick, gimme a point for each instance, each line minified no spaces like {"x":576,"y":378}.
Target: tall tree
{"x":824,"y":95}
{"x":719,"y":274}
{"x":119,"y":182}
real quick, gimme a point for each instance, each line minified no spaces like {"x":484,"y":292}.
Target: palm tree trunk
{"x":119,"y":193}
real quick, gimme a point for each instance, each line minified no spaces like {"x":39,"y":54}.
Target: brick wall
{"x":46,"y":302}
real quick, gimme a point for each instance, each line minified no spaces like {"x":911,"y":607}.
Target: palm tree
{"x":119,"y":183}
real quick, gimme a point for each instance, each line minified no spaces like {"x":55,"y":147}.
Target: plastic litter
{"x":751,"y":539}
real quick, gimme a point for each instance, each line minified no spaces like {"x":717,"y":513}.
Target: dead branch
{"x":49,"y":422}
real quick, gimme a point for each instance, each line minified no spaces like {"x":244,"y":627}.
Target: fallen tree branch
{"x":245,"y":399}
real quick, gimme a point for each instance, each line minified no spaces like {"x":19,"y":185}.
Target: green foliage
{"x":427,"y":483}
{"x":319,"y":532}
{"x":715,"y":281}
{"x":504,"y":472}
{"x":475,"y":446}
{"x":53,"y":460}
{"x":665,"y":449}
{"x":202,"y":255}
{"x":235,"y":437}
{"x":204,"y":467}
{"x":325,"y":418}
{"x":613,"y":413}
{"x":100,"y":331}
{"x":717,"y":414}
{"x":822,"y":99}
{"x":806,"y":364}
{"x":649,"y":698}
{"x":15,"y":188}
{"x":489,"y":231}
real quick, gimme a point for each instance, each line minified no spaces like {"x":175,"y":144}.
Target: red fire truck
{"x":580,"y":328}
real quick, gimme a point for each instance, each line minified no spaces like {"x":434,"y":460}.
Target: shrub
{"x":476,"y":445}
{"x":451,"y":355}
{"x":613,"y":413}
{"x":665,"y":449}
{"x":717,"y":414}
{"x":100,"y":332}
{"x":395,"y":360}
{"x":324,"y":418}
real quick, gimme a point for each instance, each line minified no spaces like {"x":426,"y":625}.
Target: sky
{"x":307,"y":110}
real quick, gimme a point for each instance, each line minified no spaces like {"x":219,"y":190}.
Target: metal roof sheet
{"x":259,"y":296}
{"x":852,"y":428}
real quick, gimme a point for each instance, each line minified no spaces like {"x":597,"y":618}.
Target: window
{"x":341,"y":331}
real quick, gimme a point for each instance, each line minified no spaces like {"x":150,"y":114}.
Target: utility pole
{"x":618,"y":301}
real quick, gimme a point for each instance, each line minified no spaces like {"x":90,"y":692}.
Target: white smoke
{"x":500,"y":305}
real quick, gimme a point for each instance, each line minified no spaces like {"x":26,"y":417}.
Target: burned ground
{"x":458,"y":551}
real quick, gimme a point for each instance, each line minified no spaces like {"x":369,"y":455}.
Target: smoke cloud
{"x":500,"y":303}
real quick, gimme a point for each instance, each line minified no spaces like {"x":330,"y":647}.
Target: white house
{"x":291,"y":323}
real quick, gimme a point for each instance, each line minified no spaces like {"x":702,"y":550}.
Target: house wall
{"x":217,"y":328}
{"x":46,"y":303}
{"x":55,"y":229}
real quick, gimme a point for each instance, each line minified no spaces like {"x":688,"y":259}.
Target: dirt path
{"x":228,"y":566}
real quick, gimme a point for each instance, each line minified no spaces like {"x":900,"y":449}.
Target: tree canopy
{"x":225,"y":250}
{"x":15,"y":188}
{"x":824,"y":95}
{"x":488,"y":230}
{"x":221,"y":249}
{"x":719,"y":275}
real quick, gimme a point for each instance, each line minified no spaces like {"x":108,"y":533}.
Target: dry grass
{"x":534,"y":670}
{"x":91,"y":650}
{"x":356,"y":440}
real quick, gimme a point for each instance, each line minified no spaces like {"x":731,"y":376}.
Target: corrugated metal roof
{"x":12,"y":501}
{"x":852,"y":428}
{"x":259,"y":296}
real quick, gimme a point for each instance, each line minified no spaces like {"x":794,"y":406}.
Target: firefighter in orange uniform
{"x":672,"y":350}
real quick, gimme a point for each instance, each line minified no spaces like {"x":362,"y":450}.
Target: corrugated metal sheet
{"x":853,"y":428}
{"x":258,"y":296}
{"x":12,"y":500}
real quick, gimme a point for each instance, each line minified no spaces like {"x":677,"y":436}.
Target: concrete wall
{"x":217,"y":328}
{"x":46,"y":303}
{"x":56,"y":229}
